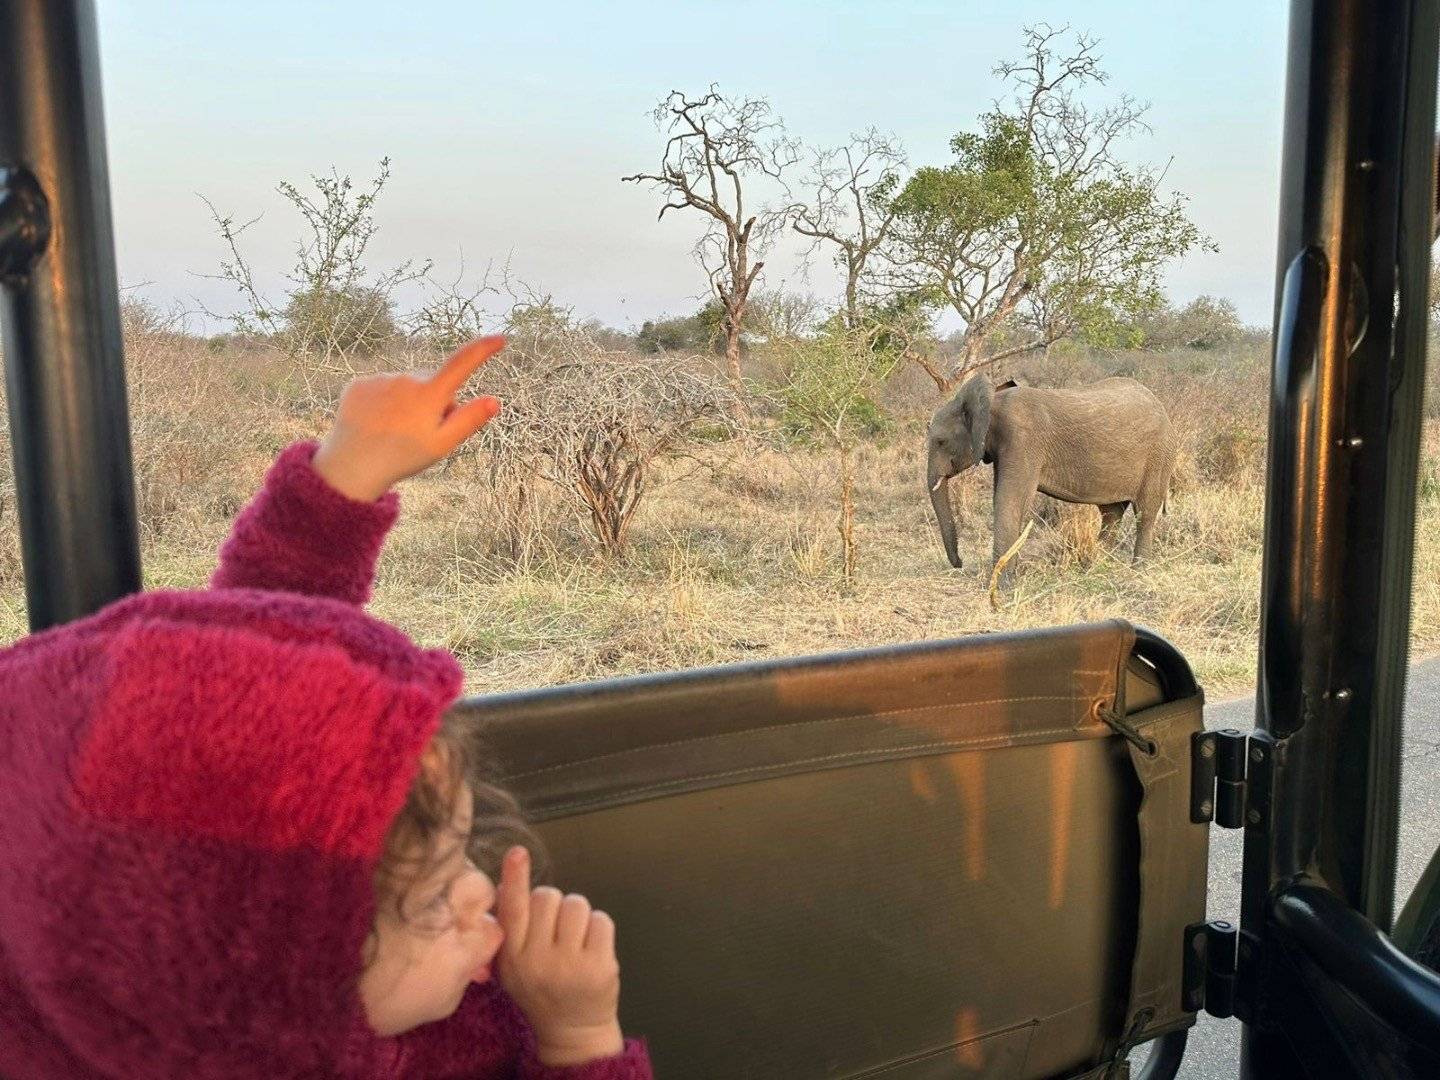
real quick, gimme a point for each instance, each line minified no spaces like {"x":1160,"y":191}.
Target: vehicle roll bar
{"x":59,"y":302}
{"x":1359,"y":961}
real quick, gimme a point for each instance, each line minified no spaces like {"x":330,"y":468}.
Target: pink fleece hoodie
{"x":194,"y":791}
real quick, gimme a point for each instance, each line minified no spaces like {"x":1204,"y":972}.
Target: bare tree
{"x":717,"y":146}
{"x":852,"y":206}
{"x":334,"y":309}
{"x":454,"y":312}
{"x":590,"y":420}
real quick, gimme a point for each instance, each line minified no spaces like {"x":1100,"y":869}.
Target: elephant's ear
{"x":978,"y":395}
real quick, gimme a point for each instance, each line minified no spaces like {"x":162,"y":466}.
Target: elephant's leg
{"x":1110,"y":515}
{"x":1147,"y":513}
{"x":1015,"y":486}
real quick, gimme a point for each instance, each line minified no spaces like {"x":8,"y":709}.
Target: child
{"x":243,"y":836}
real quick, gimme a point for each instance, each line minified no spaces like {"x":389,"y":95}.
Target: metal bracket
{"x":24,"y":223}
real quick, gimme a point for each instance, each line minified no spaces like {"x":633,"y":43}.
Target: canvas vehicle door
{"x":964,"y":859}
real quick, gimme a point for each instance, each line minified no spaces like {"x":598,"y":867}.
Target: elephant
{"x":1109,"y":444}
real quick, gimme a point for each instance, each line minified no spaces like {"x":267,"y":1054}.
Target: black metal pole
{"x":1354,"y":243}
{"x":64,"y":362}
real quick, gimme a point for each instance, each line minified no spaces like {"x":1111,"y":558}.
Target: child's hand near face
{"x":389,"y":427}
{"x":558,"y":963}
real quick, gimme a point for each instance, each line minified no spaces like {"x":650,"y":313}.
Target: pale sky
{"x":510,"y":125}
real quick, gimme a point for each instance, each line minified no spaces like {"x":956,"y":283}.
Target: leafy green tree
{"x":1036,"y":223}
{"x":827,"y":391}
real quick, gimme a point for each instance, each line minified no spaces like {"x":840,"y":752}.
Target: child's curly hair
{"x":412,"y":845}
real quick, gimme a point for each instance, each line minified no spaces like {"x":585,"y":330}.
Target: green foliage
{"x":1207,"y":322}
{"x":701,"y":332}
{"x":1034,"y":222}
{"x":867,"y":420}
{"x":870,"y":418}
{"x":354,"y":319}
{"x":1110,"y":240}
{"x":991,"y":187}
{"x":902,"y":322}
{"x":829,"y":382}
{"x":1093,"y":247}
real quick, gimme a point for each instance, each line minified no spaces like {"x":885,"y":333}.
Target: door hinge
{"x":1219,"y":959}
{"x":1230,"y":786}
{"x":1218,"y":971}
{"x":1229,"y":778}
{"x":1208,"y":975}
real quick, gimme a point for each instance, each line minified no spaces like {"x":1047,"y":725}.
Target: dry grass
{"x":736,"y":556}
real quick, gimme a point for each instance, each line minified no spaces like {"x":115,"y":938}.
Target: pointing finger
{"x":465,"y":361}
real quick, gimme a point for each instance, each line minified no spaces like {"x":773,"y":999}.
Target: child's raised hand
{"x":558,"y":963}
{"x":389,"y":427}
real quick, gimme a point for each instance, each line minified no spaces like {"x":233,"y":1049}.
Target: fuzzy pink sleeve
{"x":488,"y":1039}
{"x":632,"y":1063}
{"x":298,"y":534}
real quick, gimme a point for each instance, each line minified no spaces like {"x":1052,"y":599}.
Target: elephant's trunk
{"x":937,"y":478}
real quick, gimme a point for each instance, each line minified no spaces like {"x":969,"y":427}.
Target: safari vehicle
{"x":984,"y":857}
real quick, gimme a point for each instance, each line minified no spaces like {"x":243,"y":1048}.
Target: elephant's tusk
{"x":936,"y":486}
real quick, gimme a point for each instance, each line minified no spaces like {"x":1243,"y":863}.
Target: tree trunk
{"x":732,"y":365}
{"x":732,"y":357}
{"x":847,"y":511}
